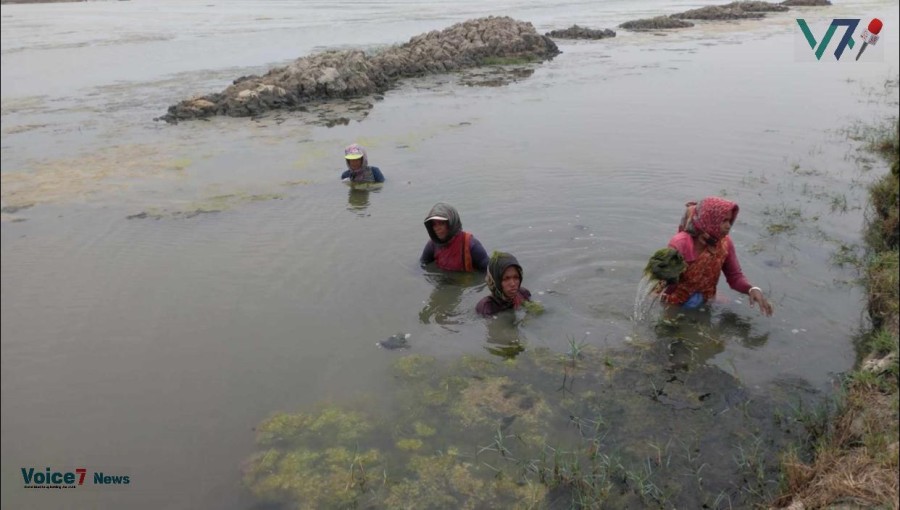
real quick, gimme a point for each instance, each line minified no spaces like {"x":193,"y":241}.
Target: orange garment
{"x":701,"y":275}
{"x":456,"y":254}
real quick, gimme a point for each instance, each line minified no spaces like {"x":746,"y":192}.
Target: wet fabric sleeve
{"x":683,"y":242}
{"x":480,"y":257}
{"x":733,"y":272}
{"x":376,"y":173}
{"x":488,"y":306}
{"x":345,"y":175}
{"x":428,"y":253}
{"x":485,"y":307}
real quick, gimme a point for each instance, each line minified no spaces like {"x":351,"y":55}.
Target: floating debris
{"x":398,"y":341}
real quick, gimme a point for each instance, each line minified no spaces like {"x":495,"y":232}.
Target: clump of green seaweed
{"x":533,"y":307}
{"x":665,"y":265}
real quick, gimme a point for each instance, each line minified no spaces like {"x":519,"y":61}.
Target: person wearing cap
{"x":450,"y":246}
{"x":358,"y":169}
{"x":504,"y":279}
{"x":708,"y":251}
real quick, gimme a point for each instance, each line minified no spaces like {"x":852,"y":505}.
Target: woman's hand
{"x":758,"y":298}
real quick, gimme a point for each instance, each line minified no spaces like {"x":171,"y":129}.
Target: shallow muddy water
{"x":165,"y":288}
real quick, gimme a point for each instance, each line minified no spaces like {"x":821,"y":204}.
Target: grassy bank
{"x":856,"y":447}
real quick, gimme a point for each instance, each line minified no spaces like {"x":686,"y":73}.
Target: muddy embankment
{"x":354,"y":73}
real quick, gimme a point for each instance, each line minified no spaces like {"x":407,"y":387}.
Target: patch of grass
{"x":882,"y":285}
{"x":856,"y":461}
{"x":883,"y":230}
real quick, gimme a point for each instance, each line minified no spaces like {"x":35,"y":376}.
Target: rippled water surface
{"x":166,"y":287}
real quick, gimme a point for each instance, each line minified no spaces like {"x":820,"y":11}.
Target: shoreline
{"x":855,"y":444}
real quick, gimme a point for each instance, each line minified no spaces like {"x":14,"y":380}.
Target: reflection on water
{"x":693,"y":337}
{"x":442,"y":307}
{"x":357,"y":199}
{"x":358,"y":196}
{"x":503,"y":336}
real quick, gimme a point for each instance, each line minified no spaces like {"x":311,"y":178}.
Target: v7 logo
{"x":845,"y":42}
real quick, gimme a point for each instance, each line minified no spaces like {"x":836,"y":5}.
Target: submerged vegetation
{"x":583,"y":429}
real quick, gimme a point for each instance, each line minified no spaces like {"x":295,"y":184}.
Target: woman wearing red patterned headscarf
{"x":703,"y":241}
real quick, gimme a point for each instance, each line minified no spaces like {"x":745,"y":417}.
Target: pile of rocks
{"x":657,"y":23}
{"x":353,"y":73}
{"x":735,"y":10}
{"x":576,"y":32}
{"x":806,"y":3}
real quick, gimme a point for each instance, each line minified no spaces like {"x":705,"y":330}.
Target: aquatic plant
{"x":477,"y":365}
{"x":332,"y":424}
{"x":333,"y":477}
{"x":423,"y":430}
{"x":533,"y":307}
{"x":445,"y":481}
{"x":490,"y":400}
{"x":666,"y":265}
{"x":475,"y":433}
{"x":410,"y":444}
{"x":414,"y":366}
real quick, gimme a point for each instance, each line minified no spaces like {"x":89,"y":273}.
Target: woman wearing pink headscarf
{"x":703,"y":241}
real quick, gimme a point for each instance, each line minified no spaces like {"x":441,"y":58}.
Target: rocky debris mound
{"x":576,"y":32}
{"x":657,"y":23}
{"x":806,"y":3}
{"x":734,"y":10}
{"x":353,"y":73}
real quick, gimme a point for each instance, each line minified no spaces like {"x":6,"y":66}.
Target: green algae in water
{"x":333,"y":478}
{"x":332,"y":424}
{"x":491,"y":400}
{"x":477,"y":365}
{"x":415,"y":366}
{"x":423,"y":430}
{"x":533,"y":307}
{"x":410,"y":444}
{"x":446,"y":481}
{"x":474,"y":433}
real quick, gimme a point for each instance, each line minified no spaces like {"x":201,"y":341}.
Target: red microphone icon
{"x":870,"y":35}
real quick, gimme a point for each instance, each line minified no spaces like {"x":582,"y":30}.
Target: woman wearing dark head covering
{"x":358,"y":169}
{"x":703,"y":241}
{"x":504,"y":279}
{"x":449,"y":245}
